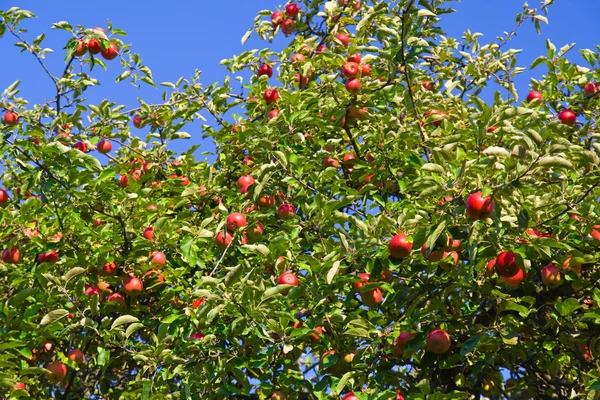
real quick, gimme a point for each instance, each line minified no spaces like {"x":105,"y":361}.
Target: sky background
{"x":175,"y":38}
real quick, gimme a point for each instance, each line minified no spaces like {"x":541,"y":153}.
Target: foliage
{"x":211,"y":320}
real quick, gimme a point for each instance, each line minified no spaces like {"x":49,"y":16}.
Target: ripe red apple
{"x":19,"y":385}
{"x":350,"y":69}
{"x":292,"y":9}
{"x":343,"y":39}
{"x":490,"y":267}
{"x":435,"y":116}
{"x":567,"y":117}
{"x":533,"y":95}
{"x":365,"y":70}
{"x":267,"y":201}
{"x":330,"y":162}
{"x":132,"y":286}
{"x":427,"y":85}
{"x":435,"y":256}
{"x":279,"y":395}
{"x":513,"y":281}
{"x":571,"y":265}
{"x":354,"y":3}
{"x":315,"y":337}
{"x":222,"y":241}
{"x":350,"y":396}
{"x":138,"y":122}
{"x":76,"y":356}
{"x":354,"y":58}
{"x":272,"y":114}
{"x":451,"y":263}
{"x":287,"y":278}
{"x":117,"y":298}
{"x":58,"y":371}
{"x":255,"y":232}
{"x":81,"y":49}
{"x":551,"y":276}
{"x":81,"y":146}
{"x":11,"y":255}
{"x":111,"y":52}
{"x":277,"y":18}
{"x":590,"y":89}
{"x":298,"y":58}
{"x":149,"y":233}
{"x":479,"y":207}
{"x":50,"y":257}
{"x":94,"y":45}
{"x":304,"y":83}
{"x":359,"y":113}
{"x":364,"y":278}
{"x":595,"y":232}
{"x":506,"y":265}
{"x":11,"y":118}
{"x":401,"y":341}
{"x":265,"y":69}
{"x":245,"y":180}
{"x":288,"y":26}
{"x":399,"y":395}
{"x":3,"y":197}
{"x":104,"y":146}
{"x":286,"y":210}
{"x":453,"y":244}
{"x":353,"y":86}
{"x":372,"y":298}
{"x":158,"y":258}
{"x":321,"y":49}
{"x":123,"y":181}
{"x":349,"y":160}
{"x":271,"y":95}
{"x":236,"y":220}
{"x":399,"y":247}
{"x":438,"y":341}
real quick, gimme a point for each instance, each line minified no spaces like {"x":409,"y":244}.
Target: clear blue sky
{"x":176,"y":37}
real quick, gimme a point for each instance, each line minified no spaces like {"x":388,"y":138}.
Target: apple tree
{"x":385,"y":216}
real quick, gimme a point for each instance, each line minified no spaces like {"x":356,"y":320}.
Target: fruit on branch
{"x":350,"y":69}
{"x":223,"y":240}
{"x":4,"y":199}
{"x":245,"y":181}
{"x":435,"y":116}
{"x":364,"y":278}
{"x":132,"y":286}
{"x":449,"y":261}
{"x":287,"y":278}
{"x":111,"y":52}
{"x":365,"y":70}
{"x":50,"y":257}
{"x":272,"y":114}
{"x":434,"y":256}
{"x":104,"y":146}
{"x":117,"y":298}
{"x":330,"y":162}
{"x":58,"y":371}
{"x":149,"y":233}
{"x":479,"y":207}
{"x":343,"y":39}
{"x":355,"y":58}
{"x":277,"y":18}
{"x":138,"y":121}
{"x":534,"y":96}
{"x":286,"y":211}
{"x":350,"y":396}
{"x":513,"y":281}
{"x":158,"y":258}
{"x":11,"y":118}
{"x":567,"y":117}
{"x":81,"y":49}
{"x":506,"y":265}
{"x":11,"y":255}
{"x":571,"y":265}
{"x":94,"y":45}
{"x":590,"y":89}
{"x":551,"y":276}
{"x":298,"y":58}
{"x":428,"y":85}
{"x":255,"y":232}
{"x":401,"y":341}
{"x":265,"y":69}
{"x":399,"y":247}
{"x":438,"y":341}
{"x":288,"y":26}
{"x":76,"y":356}
{"x":292,"y":10}
{"x":235,"y":221}
{"x":353,"y":86}
{"x":109,"y":268}
{"x":266,"y":201}
{"x":271,"y":95}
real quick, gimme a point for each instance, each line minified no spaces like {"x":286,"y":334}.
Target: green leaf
{"x":568,"y":306}
{"x":122,"y":320}
{"x":131,"y":329}
{"x":332,"y":272}
{"x":512,"y":306}
{"x":274,"y":291}
{"x":72,"y":273}
{"x":53,"y":316}
{"x":470,"y":345}
{"x":433,"y":237}
{"x":557,"y":162}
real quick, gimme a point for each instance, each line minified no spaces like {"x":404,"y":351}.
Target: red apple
{"x":590,"y":89}
{"x":321,"y":49}
{"x":349,"y":160}
{"x":245,"y":180}
{"x":453,"y":245}
{"x":265,"y":69}
{"x":330,"y":162}
{"x":271,"y":95}
{"x":595,"y":232}
{"x":551,"y":276}
{"x":116,"y":298}
{"x":149,"y":233}
{"x":267,"y":201}
{"x":364,"y":278}
{"x":506,"y":265}
{"x":315,"y":337}
{"x":272,"y":114}
{"x":81,"y":146}
{"x":11,"y":118}
{"x":11,"y":255}
{"x":435,"y":256}
{"x":111,"y":52}
{"x":132,"y":286}
{"x":19,"y":385}
{"x":286,"y":210}
{"x":513,"y":281}
{"x":58,"y":371}
{"x":81,"y":49}
{"x":353,"y":86}
{"x":427,"y":85}
{"x":399,"y":247}
{"x":298,"y":58}
{"x":490,"y":267}
{"x":292,"y":9}
{"x":365,"y":70}
{"x":372,"y":298}
{"x":287,"y":278}
{"x":138,"y":122}
{"x":343,"y":39}
{"x":401,"y":341}
{"x":359,"y":113}
{"x":123,"y":181}
{"x":435,"y":116}
{"x":350,"y":396}
{"x":109,"y":269}
{"x":533,"y":95}
{"x":479,"y":207}
{"x":104,"y":146}
{"x":350,"y":69}
{"x":452,"y":263}
{"x":222,"y":241}
{"x":277,"y":18}
{"x":76,"y":356}
{"x":571,"y":265}
{"x":288,"y":26}
{"x":235,"y":220}
{"x":567,"y":117}
{"x":50,"y":257}
{"x":93,"y":45}
{"x":438,"y":341}
{"x":3,"y":197}
{"x":354,"y":58}
{"x":304,"y":83}
{"x":158,"y":258}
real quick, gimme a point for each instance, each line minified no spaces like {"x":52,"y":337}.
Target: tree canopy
{"x":386,"y":217}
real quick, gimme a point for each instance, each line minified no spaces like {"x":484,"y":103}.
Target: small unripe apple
{"x":479,"y":207}
{"x":343,"y":39}
{"x":353,"y":86}
{"x":58,"y":371}
{"x":235,"y":221}
{"x":567,"y":117}
{"x":438,"y":341}
{"x":534,"y":95}
{"x":551,"y":276}
{"x":11,"y":118}
{"x":158,"y":258}
{"x":399,"y":247}
{"x":111,"y":52}
{"x":132,"y":286}
{"x":286,"y":210}
{"x":76,"y":356}
{"x":265,"y":69}
{"x":288,"y":26}
{"x":104,"y":146}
